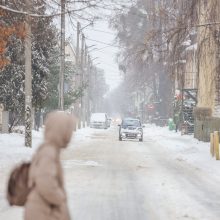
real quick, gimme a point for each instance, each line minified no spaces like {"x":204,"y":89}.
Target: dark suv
{"x":131,"y":128}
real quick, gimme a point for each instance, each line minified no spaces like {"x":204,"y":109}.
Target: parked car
{"x":130,"y":128}
{"x":99,"y":120}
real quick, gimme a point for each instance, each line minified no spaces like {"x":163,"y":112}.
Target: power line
{"x":101,"y":42}
{"x":110,"y":67}
{"x":108,"y":45}
{"x":39,"y":15}
{"x":103,"y":48}
{"x":98,"y":50}
{"x":97,"y":30}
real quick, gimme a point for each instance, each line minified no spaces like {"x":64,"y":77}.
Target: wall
{"x":191,"y":68}
{"x":207,"y":54}
{"x":205,"y":127}
{"x":208,"y":70}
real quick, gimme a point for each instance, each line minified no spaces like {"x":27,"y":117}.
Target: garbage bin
{"x":171,"y":124}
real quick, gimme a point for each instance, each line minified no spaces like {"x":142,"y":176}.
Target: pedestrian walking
{"x":47,"y":199}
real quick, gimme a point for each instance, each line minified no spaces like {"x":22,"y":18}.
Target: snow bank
{"x":12,"y":149}
{"x":184,"y":148}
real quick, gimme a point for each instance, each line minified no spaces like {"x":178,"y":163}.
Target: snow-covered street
{"x":166,"y":177}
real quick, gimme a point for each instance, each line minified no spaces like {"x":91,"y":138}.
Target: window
{"x":130,"y":122}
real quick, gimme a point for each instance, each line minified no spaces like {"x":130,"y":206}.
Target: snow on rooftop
{"x":98,"y":117}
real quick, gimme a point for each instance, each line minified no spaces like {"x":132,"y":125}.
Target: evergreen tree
{"x":44,"y":40}
{"x":71,"y":93}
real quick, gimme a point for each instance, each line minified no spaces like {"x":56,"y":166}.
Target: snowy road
{"x":111,"y":180}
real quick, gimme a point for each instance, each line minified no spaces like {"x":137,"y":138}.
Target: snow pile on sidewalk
{"x":12,"y":152}
{"x":12,"y":149}
{"x":184,"y":148}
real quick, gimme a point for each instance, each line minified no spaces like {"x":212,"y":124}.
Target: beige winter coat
{"x":47,"y":200}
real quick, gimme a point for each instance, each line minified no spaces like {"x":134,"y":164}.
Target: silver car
{"x":131,"y":128}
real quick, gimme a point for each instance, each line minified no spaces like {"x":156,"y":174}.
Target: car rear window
{"x":129,"y":122}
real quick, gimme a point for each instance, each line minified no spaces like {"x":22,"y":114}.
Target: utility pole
{"x":62,"y":58}
{"x":96,"y":92}
{"x":28,"y":79}
{"x":88,"y":89}
{"x":77,"y":112}
{"x":77,"y":47}
{"x":81,"y":77}
{"x":85,"y":82}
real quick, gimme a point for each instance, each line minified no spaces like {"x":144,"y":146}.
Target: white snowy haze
{"x":103,"y":38}
{"x":100,"y":39}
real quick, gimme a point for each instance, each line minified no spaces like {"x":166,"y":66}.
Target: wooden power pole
{"x":77,"y":46}
{"x":28,"y":79}
{"x":85,"y":90}
{"x":82,"y":77}
{"x":62,"y":58}
{"x":78,"y":72}
{"x":88,"y":90}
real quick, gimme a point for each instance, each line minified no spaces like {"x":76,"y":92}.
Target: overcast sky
{"x":101,"y":36}
{"x":107,"y":54}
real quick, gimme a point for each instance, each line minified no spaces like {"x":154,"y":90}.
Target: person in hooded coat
{"x":47,"y":199}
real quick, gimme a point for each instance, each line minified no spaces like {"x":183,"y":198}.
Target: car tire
{"x":141,"y":139}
